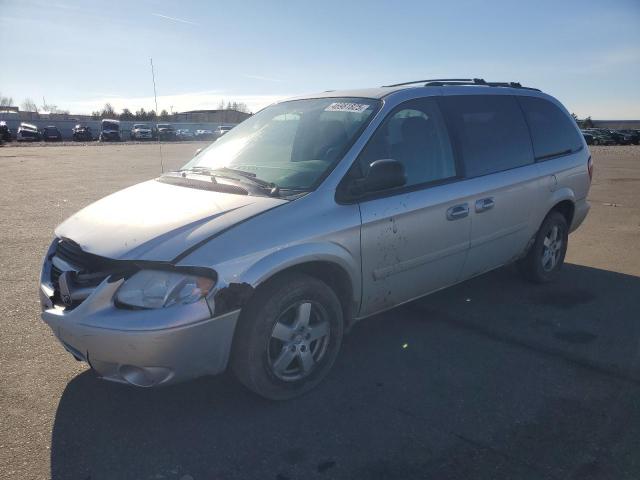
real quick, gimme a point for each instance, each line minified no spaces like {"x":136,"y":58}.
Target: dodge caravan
{"x":314,"y":213}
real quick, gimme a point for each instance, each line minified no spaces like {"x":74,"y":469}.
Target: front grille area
{"x":71,"y":253}
{"x":87,"y":271}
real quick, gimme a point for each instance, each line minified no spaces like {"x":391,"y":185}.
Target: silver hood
{"x":157,"y":221}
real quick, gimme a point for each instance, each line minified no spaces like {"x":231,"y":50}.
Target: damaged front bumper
{"x":144,"y":347}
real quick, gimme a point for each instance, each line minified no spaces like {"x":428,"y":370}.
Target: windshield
{"x":140,"y":125}
{"x":110,"y":126}
{"x":292,"y":144}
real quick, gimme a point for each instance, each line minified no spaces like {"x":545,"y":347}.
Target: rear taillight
{"x":590,"y":168}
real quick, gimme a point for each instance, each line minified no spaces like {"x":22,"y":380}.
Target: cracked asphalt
{"x":494,"y":378}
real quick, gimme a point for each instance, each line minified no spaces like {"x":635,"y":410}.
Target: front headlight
{"x":161,"y":289}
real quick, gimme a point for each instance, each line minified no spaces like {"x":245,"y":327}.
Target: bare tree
{"x":28,"y":105}
{"x":5,"y":101}
{"x":48,"y":107}
{"x":141,"y":114}
{"x":164,"y":115}
{"x":108,"y":111}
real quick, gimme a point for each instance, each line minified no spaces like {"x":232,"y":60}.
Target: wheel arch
{"x":329,"y":263}
{"x":567,"y":208}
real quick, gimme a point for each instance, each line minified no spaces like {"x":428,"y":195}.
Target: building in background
{"x":211,"y":116}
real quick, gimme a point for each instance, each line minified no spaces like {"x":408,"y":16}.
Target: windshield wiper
{"x":272,"y":188}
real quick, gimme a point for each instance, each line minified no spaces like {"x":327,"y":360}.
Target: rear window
{"x":552,"y":132}
{"x":490,"y":132}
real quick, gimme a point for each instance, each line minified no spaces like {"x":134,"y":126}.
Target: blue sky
{"x":81,"y":54}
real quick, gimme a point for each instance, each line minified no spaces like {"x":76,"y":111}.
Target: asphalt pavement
{"x":494,"y":378}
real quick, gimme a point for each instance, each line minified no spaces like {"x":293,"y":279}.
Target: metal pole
{"x":155,"y":96}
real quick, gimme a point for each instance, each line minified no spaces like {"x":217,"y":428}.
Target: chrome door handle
{"x":458,"y":211}
{"x":484,"y":204}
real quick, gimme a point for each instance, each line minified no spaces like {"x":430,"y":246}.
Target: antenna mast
{"x":155,"y":97}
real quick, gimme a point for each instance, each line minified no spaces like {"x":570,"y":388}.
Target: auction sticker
{"x":347,"y":107}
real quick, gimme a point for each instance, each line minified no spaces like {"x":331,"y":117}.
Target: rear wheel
{"x":288,"y":337}
{"x":546,"y":257}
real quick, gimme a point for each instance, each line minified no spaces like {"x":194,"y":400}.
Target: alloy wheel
{"x":552,"y":248}
{"x":298,"y":341}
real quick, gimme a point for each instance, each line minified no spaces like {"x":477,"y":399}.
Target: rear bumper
{"x":581,"y":209}
{"x":197,"y":345}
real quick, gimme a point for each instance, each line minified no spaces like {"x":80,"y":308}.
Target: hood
{"x":157,"y":221}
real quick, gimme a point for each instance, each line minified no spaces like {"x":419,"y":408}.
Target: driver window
{"x":415,"y":135}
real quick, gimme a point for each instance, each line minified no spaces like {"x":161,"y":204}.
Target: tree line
{"x":584,"y":123}
{"x":126,"y":114}
{"x":28,"y":105}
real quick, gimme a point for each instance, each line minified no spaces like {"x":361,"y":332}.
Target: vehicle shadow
{"x":493,"y":378}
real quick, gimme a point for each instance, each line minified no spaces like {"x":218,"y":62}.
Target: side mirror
{"x":382,"y":175}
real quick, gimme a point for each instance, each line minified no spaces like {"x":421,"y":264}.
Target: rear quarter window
{"x":490,"y":132}
{"x":552,"y":131}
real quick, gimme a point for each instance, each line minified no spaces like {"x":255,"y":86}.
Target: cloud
{"x":260,"y":77}
{"x":180,"y":102}
{"x":174,"y":19}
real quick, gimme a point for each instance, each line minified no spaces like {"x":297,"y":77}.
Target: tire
{"x":546,"y":256}
{"x":270,"y":354}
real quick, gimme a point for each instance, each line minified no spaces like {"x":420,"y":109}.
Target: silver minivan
{"x":312,"y":214}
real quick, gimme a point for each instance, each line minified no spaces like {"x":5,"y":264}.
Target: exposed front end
{"x":141,"y":344}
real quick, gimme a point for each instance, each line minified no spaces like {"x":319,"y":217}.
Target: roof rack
{"x":441,"y":82}
{"x":431,"y":80}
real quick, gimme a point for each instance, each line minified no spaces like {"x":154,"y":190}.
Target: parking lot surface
{"x":494,"y":378}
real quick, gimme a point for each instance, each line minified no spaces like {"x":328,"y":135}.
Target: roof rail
{"x":442,"y":82}
{"x":431,"y":80}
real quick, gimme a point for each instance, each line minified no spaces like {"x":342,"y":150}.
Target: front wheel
{"x":288,"y":337}
{"x":546,"y":257}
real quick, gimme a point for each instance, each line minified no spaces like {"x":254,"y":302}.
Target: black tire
{"x":538,"y":266}
{"x":256,"y":350}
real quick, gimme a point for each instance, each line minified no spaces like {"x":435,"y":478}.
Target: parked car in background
{"x":633,"y":135}
{"x":81,"y":133}
{"x":184,"y":134}
{"x":620,"y":138}
{"x":269,"y":244}
{"x":51,"y":133}
{"x":587,"y":137}
{"x":165,"y":131}
{"x":5,"y":132}
{"x":141,"y":131}
{"x":221,"y":130}
{"x":28,"y":133}
{"x":110,"y":131}
{"x":204,"y":134}
{"x":601,"y":137}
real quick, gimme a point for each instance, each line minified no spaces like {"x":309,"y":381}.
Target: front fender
{"x":291,"y":256}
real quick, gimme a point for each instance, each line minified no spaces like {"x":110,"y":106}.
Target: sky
{"x":79,"y":55}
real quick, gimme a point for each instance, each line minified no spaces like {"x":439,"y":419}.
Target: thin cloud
{"x":260,"y":77}
{"x":174,"y":19}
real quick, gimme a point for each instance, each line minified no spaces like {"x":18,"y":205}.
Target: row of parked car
{"x":110,"y":131}
{"x":165,"y":131}
{"x":605,"y":136}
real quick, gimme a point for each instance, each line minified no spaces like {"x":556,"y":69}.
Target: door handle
{"x":458,"y":211}
{"x":484,"y":204}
